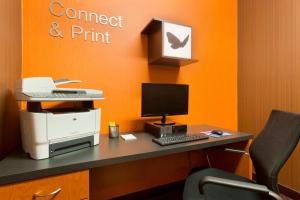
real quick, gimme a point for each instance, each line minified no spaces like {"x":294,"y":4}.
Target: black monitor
{"x":164,"y":99}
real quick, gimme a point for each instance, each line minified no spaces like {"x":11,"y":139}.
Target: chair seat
{"x":216,"y":192}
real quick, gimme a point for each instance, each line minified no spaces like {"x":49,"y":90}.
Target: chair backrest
{"x":274,"y":145}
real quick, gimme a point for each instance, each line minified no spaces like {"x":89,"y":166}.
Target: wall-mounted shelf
{"x":169,"y":43}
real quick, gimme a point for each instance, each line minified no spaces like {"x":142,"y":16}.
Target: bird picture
{"x":175,"y":42}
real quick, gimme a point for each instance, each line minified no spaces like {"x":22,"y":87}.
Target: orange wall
{"x":120,"y":67}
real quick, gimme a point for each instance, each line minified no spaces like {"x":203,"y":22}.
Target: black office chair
{"x":269,"y":151}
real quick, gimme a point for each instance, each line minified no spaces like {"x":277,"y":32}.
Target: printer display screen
{"x":68,"y":92}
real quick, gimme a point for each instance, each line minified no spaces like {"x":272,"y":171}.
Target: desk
{"x":18,"y":167}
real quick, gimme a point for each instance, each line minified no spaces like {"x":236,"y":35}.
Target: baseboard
{"x":293,"y":194}
{"x":169,"y":191}
{"x":174,"y":191}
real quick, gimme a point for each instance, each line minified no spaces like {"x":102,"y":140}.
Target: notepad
{"x":128,"y":137}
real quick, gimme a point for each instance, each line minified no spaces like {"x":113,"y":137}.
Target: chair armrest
{"x":237,"y":184}
{"x":237,"y":151}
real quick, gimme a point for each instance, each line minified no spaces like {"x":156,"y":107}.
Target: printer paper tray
{"x":69,"y":146}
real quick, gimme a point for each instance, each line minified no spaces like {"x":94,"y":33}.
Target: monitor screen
{"x":164,"y":99}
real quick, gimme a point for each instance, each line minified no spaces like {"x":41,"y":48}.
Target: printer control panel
{"x":62,"y":95}
{"x":39,"y":89}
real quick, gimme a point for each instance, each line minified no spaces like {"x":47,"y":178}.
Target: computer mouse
{"x":217,"y":132}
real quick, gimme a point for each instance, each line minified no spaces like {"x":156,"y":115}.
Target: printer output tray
{"x":70,"y":146}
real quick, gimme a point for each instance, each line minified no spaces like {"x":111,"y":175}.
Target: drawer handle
{"x":52,"y":194}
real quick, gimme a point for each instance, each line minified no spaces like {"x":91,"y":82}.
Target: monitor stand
{"x":164,"y":122}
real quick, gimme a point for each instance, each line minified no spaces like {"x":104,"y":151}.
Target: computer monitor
{"x":164,"y":99}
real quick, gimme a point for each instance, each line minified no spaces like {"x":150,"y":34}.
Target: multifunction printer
{"x":47,"y":132}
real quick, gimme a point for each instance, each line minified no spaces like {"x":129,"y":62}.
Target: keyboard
{"x":176,"y":139}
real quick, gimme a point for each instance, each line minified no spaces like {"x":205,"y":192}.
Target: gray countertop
{"x":19,"y":167}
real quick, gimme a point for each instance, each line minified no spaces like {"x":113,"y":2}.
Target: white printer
{"x":50,"y":132}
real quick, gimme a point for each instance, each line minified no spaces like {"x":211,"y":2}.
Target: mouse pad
{"x":215,"y":135}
